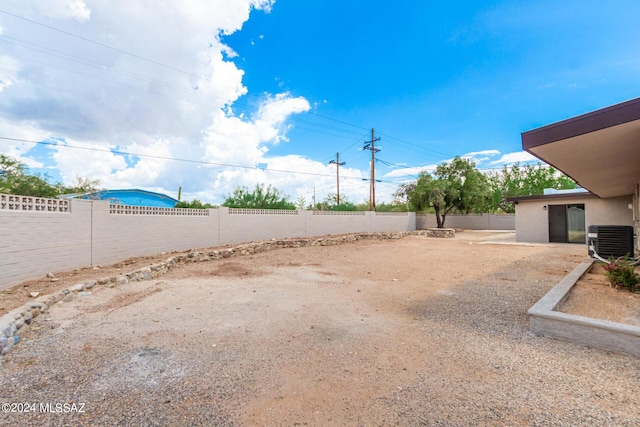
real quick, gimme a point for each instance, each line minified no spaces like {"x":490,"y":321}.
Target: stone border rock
{"x":18,"y":319}
{"x":441,"y":232}
{"x":603,"y":334}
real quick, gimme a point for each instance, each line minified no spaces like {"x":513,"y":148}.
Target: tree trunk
{"x":439,"y":220}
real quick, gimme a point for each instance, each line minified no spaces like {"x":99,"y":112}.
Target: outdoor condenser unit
{"x":610,"y":240}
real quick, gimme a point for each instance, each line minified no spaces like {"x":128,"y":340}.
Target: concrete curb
{"x":20,"y":318}
{"x":602,"y":334}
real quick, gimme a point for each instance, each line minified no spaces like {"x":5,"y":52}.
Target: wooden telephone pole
{"x":338,"y":164}
{"x":371,"y":145}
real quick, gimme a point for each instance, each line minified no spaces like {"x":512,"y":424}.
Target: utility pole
{"x":338,"y":164}
{"x":371,"y":145}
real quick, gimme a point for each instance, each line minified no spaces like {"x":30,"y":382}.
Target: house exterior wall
{"x":532,"y":220}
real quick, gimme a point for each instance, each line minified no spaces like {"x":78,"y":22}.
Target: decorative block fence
{"x":39,"y":235}
{"x":472,"y":221}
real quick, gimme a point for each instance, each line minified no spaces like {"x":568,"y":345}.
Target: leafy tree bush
{"x":80,"y":186}
{"x":527,"y":180}
{"x":260,"y":198}
{"x":194,"y":204}
{"x":457,"y":185}
{"x":330,"y":203}
{"x":390,"y":207}
{"x":15,"y":179}
{"x":621,"y":273}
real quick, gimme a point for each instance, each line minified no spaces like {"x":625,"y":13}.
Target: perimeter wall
{"x":39,"y":235}
{"x":472,"y":221}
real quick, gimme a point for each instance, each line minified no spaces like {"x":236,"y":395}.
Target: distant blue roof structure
{"x":132,"y":197}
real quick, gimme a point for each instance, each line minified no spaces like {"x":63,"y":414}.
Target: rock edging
{"x":20,"y":318}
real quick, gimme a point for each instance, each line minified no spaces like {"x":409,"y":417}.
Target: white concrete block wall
{"x":33,"y":243}
{"x":502,"y":222}
{"x":471,"y":222}
{"x":392,"y":221}
{"x":320,"y":223}
{"x":120,"y":236}
{"x":424,"y":221}
{"x":245,"y":225}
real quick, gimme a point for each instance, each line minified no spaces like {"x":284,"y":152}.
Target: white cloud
{"x":519,"y":156}
{"x":164,"y":89}
{"x":410,"y":173}
{"x":9,"y":69}
{"x":54,"y":9}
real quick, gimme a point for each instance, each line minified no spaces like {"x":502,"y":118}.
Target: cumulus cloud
{"x":517,"y":157}
{"x":410,"y":173}
{"x":55,"y":9}
{"x":485,"y":159}
{"x":480,"y":156}
{"x":157,"y":81}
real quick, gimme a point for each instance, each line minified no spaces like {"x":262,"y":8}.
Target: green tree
{"x":401,"y":195}
{"x":391,"y":207}
{"x":330,"y":203}
{"x":301,"y":203}
{"x":15,"y":179}
{"x":194,"y":204}
{"x":260,"y":198}
{"x":80,"y":186}
{"x":457,"y":185}
{"x":527,"y":180}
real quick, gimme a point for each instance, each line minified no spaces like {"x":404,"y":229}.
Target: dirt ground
{"x":592,"y":296}
{"x":415,"y":331}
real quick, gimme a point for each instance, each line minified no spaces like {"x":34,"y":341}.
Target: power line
{"x":202,"y":162}
{"x":371,"y":146}
{"x":338,"y":163}
{"x":152,"y":61}
{"x":414,"y":145}
{"x":183,"y":90}
{"x":97,"y":43}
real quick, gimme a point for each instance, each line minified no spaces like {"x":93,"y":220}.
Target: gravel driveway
{"x":415,"y":331}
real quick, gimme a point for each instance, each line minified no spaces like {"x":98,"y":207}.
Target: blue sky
{"x":287,"y":84}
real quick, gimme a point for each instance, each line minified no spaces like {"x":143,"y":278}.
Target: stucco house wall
{"x":532,"y":219}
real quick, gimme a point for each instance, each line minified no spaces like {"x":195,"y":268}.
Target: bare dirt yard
{"x":414,"y":331}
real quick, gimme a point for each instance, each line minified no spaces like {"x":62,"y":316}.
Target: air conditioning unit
{"x":610,"y":240}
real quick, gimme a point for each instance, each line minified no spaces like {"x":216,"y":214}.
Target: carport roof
{"x":600,"y":150}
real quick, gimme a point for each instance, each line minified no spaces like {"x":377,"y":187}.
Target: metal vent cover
{"x":610,"y":240}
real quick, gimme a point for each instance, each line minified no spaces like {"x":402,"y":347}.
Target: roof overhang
{"x":552,"y":197}
{"x":599,"y":150}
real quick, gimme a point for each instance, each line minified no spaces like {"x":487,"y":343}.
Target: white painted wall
{"x":471,"y":222}
{"x":134,"y":232}
{"x":34,"y":242}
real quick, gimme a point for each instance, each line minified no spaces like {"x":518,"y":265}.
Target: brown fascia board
{"x":590,"y":122}
{"x":551,"y":197}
